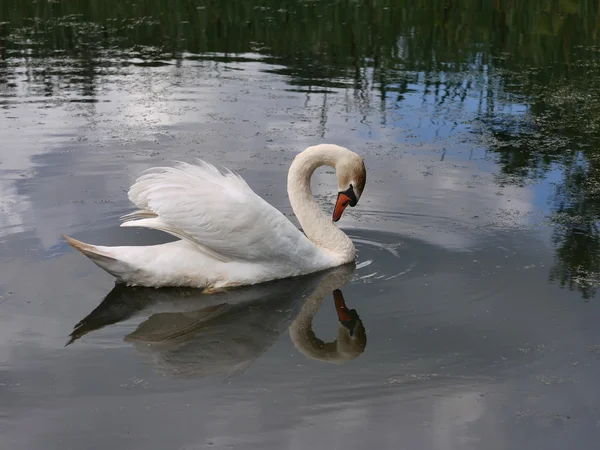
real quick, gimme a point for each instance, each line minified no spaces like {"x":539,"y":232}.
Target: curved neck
{"x":317,"y":225}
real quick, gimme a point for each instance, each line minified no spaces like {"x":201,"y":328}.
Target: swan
{"x":228,"y":235}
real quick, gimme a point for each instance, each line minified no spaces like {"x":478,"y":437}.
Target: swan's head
{"x":351,"y":176}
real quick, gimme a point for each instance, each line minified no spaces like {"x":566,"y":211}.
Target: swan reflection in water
{"x":190,"y":334}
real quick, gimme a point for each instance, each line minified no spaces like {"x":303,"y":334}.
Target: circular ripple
{"x":379,"y":256}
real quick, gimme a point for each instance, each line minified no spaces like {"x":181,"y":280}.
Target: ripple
{"x":378,"y":258}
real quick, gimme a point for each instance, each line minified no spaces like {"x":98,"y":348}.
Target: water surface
{"x":475,"y":286}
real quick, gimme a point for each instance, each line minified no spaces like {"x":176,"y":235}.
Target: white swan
{"x":228,"y":235}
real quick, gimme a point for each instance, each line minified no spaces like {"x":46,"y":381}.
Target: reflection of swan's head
{"x":351,"y":339}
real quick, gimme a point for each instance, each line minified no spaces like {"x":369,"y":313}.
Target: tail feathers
{"x":102,"y":259}
{"x":88,"y":250}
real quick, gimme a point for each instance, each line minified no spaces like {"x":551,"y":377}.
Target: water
{"x":477,"y":235}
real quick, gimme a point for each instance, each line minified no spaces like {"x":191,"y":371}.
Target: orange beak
{"x":342,"y":201}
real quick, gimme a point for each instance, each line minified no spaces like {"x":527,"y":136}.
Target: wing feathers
{"x":157,"y":224}
{"x":141,"y":214}
{"x":214,"y":209}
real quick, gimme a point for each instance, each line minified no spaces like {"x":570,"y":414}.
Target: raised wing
{"x":216,"y":210}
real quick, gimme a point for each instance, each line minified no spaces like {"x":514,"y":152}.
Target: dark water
{"x":479,"y":247}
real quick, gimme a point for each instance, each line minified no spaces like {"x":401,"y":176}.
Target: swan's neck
{"x":317,"y":225}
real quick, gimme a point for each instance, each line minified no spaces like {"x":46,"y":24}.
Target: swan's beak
{"x":347,"y":317}
{"x":342,"y":201}
{"x":345,"y":198}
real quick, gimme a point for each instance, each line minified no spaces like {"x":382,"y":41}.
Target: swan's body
{"x":229,"y":236}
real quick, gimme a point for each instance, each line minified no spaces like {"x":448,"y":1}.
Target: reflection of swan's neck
{"x":304,"y":338}
{"x":344,"y":348}
{"x":318,"y":226}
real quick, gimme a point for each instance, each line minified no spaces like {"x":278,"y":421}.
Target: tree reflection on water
{"x":542,"y":54}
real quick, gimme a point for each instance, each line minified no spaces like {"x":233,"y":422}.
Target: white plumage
{"x":208,"y":208}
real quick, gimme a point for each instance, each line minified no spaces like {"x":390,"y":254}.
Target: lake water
{"x":477,"y":234}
